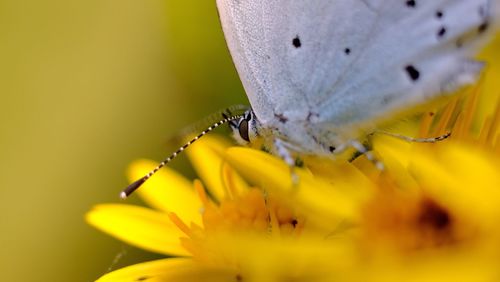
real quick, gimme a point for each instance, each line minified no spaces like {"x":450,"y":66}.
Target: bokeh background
{"x":86,"y":87}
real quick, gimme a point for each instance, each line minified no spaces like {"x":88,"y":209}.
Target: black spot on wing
{"x":483,"y":27}
{"x":347,"y":51}
{"x":296,"y":42}
{"x":281,"y":117}
{"x":441,"y":32}
{"x":439,"y":14}
{"x":483,"y":13}
{"x":412,"y":72}
{"x":311,"y":116}
{"x":411,"y":3}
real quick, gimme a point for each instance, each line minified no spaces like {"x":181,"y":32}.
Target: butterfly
{"x":321,"y":75}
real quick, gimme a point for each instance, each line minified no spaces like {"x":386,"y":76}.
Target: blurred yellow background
{"x":87,"y":87}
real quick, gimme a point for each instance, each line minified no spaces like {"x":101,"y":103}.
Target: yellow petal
{"x":393,"y":147}
{"x":233,"y":181}
{"x":167,"y":190}
{"x":206,"y":157}
{"x":172,"y":269}
{"x":138,"y":226}
{"x":318,"y":197}
{"x":461,"y":178}
{"x":343,"y":175}
{"x":395,"y":154}
{"x":274,"y":258}
{"x":452,"y":266}
{"x":491,"y":81}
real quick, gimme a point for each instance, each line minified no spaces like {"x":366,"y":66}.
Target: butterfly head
{"x":245,"y":128}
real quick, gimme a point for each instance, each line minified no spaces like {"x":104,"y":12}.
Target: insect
{"x":322,"y":74}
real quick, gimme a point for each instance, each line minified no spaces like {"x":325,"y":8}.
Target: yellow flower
{"x":432,"y":215}
{"x":188,"y":223}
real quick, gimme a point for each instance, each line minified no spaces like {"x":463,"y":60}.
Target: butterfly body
{"x":319,"y":73}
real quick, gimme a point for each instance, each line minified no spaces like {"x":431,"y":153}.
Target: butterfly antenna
{"x":135,"y":185}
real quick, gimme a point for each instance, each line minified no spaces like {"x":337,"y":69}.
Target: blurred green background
{"x":86,"y":87}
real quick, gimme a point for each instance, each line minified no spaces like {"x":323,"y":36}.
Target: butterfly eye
{"x":243,"y":130}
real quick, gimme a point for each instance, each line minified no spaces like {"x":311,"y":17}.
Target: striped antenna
{"x":135,"y":185}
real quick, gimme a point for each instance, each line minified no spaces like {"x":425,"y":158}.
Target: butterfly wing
{"x":342,"y":61}
{"x":415,"y":53}
{"x":277,"y":47}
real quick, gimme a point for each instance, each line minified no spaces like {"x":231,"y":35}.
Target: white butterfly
{"x":320,"y":74}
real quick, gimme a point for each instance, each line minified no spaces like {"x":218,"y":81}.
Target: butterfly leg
{"x":368,"y":154}
{"x":417,"y":140}
{"x":358,"y":146}
{"x":281,"y":149}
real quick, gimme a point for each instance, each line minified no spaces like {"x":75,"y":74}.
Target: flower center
{"x":251,"y":212}
{"x":434,"y":217}
{"x":244,"y":213}
{"x":409,"y":223}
